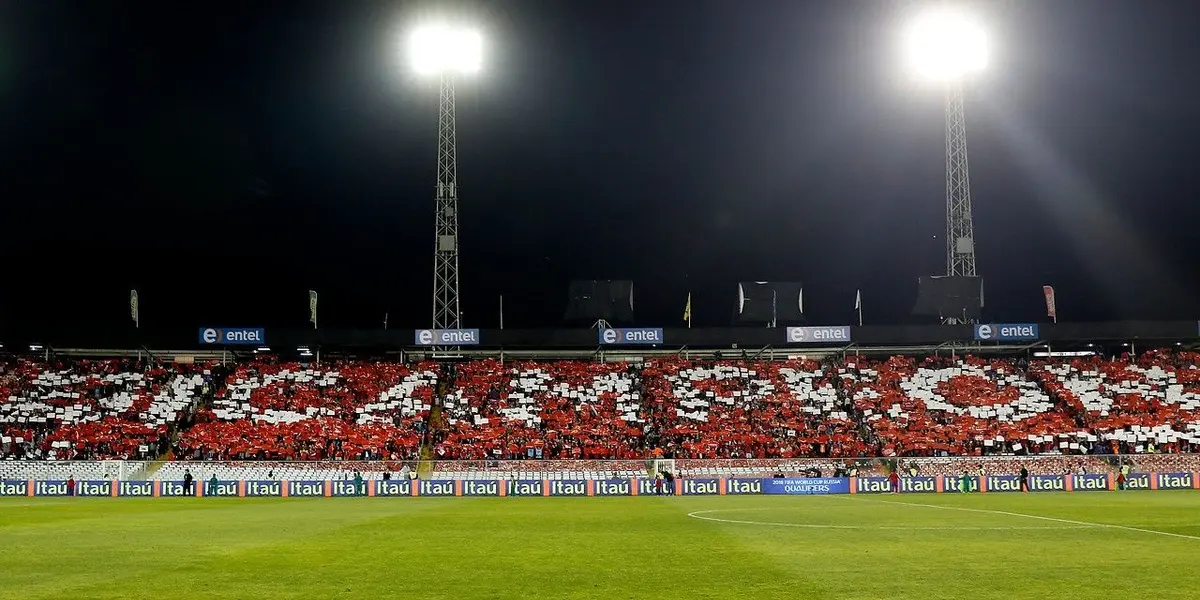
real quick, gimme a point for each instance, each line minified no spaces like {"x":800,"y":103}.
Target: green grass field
{"x":932,"y":547}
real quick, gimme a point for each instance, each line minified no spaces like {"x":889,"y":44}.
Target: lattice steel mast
{"x":445,"y":252}
{"x":960,"y":227}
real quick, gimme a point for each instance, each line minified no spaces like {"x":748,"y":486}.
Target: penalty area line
{"x":1038,"y":517}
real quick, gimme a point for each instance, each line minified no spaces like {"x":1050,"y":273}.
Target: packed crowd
{"x":586,"y":410}
{"x":564,"y":409}
{"x":289,"y":411}
{"x":107,"y":409}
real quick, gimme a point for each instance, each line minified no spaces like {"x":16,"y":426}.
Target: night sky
{"x":223,"y":158}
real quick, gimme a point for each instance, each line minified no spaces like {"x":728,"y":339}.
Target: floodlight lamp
{"x":445,"y":49}
{"x":945,"y":44}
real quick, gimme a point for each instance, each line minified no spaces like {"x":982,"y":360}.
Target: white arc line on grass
{"x":699,"y":514}
{"x":1038,"y":517}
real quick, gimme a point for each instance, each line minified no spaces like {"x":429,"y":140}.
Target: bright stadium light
{"x":450,"y":51}
{"x":945,"y":44}
{"x":445,"y":49}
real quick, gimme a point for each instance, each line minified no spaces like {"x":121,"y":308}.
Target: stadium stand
{"x":564,"y":409}
{"x":750,"y":410}
{"x":1148,"y":405}
{"x":95,"y":409}
{"x":487,"y":419}
{"x":288,"y":411}
{"x":960,"y":407}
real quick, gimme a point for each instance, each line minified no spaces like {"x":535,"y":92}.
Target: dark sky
{"x":225,"y":157}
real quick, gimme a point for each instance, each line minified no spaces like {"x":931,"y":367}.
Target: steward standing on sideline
{"x":1024,"y":479}
{"x":189,"y":484}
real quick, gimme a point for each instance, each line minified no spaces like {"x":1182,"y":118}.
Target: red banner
{"x":1049,"y":292}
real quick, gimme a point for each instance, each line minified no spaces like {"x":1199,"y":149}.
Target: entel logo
{"x":818,"y":334}
{"x":1018,"y":331}
{"x":1006,"y":331}
{"x":636,"y":335}
{"x":425,"y":336}
{"x":210,"y":336}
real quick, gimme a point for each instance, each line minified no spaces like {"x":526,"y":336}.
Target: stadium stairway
{"x":205,"y":400}
{"x":425,"y":453}
{"x":437,"y":422}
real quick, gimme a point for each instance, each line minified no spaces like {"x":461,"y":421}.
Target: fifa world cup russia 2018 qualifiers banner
{"x":793,"y":486}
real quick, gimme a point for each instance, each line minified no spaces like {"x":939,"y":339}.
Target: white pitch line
{"x":700,"y":515}
{"x":1038,"y":517}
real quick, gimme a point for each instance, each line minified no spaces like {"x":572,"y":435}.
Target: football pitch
{"x":1044,"y":546}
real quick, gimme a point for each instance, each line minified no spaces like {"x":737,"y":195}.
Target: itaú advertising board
{"x":634,"y":486}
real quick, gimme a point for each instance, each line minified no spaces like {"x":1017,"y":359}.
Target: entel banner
{"x":232,"y":335}
{"x":1002,"y":332}
{"x":643,"y":335}
{"x":818,"y":335}
{"x":446,"y":337}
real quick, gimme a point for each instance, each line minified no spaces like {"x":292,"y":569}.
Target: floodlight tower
{"x":448,"y":52}
{"x":946,"y":45}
